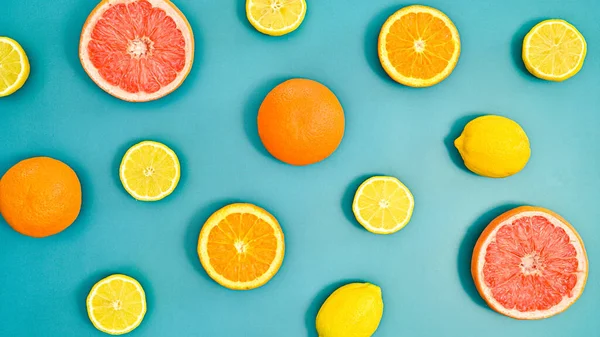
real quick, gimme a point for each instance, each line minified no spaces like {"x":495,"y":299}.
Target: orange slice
{"x":419,"y":46}
{"x":530,"y":263}
{"x":241,"y":246}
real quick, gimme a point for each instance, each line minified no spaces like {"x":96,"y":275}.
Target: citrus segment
{"x":14,"y":66}
{"x":554,"y":50}
{"x":383,"y":205}
{"x":275,"y":17}
{"x":137,"y":50}
{"x":40,"y":196}
{"x":150,"y":171}
{"x":529,"y":263}
{"x":419,"y":46}
{"x":301,"y":122}
{"x":241,"y":246}
{"x":116,"y":305}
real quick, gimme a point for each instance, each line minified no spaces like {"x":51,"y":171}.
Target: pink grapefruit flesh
{"x":137,"y":50}
{"x":530,"y":263}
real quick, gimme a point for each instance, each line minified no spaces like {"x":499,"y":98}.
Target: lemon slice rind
{"x":127,"y":159}
{"x":23,"y":74}
{"x":257,"y":22}
{"x":535,"y":70}
{"x":94,"y":292}
{"x":400,"y":223}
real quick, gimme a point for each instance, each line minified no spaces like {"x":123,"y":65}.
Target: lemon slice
{"x":383,"y":205}
{"x":117,"y":304}
{"x":14,"y":66}
{"x":554,"y":50}
{"x":150,"y":171}
{"x":275,"y":17}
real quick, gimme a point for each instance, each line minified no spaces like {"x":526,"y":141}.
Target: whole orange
{"x":40,"y":197}
{"x":301,"y":122}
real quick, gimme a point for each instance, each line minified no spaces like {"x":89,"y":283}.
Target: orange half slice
{"x":419,"y":46}
{"x":241,"y":246}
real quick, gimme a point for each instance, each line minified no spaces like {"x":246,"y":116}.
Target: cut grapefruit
{"x":529,"y":263}
{"x":137,"y":50}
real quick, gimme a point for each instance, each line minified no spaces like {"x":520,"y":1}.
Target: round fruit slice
{"x":150,"y":171}
{"x":241,"y":246}
{"x":275,"y":17}
{"x":137,"y":50}
{"x":419,"y":46}
{"x":529,"y":263}
{"x":554,"y":50}
{"x":14,"y":66}
{"x":116,"y":305}
{"x":383,"y":205}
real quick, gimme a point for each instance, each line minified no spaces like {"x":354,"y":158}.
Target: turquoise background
{"x":210,"y":122}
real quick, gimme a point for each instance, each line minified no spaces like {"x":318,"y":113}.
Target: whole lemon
{"x":353,"y":310}
{"x":494,"y":146}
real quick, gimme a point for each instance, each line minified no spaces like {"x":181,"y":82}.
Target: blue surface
{"x":210,"y":122}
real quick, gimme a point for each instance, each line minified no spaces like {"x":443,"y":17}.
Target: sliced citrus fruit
{"x":554,"y":50}
{"x":137,"y":50}
{"x":241,"y":246}
{"x":529,"y":263}
{"x":419,"y":46}
{"x":150,"y":171}
{"x":383,"y":205}
{"x":14,"y":66}
{"x":275,"y":17}
{"x":116,"y":305}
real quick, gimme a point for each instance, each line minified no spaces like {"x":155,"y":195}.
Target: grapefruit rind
{"x":219,"y":216}
{"x":411,"y":81}
{"x":182,"y":24}
{"x":488,"y":235}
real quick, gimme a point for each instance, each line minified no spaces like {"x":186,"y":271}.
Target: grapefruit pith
{"x":529,"y":263}
{"x":137,"y":50}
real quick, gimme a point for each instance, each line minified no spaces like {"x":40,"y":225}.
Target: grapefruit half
{"x":137,"y":50}
{"x":529,"y":263}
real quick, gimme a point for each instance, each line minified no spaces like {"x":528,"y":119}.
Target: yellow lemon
{"x":150,"y":171}
{"x":494,"y":146}
{"x":14,"y":66}
{"x":383,"y":205}
{"x":353,"y":310}
{"x":275,"y":17}
{"x":554,"y":50}
{"x":117,"y":304}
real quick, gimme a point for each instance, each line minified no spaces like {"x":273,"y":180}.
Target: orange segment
{"x":241,"y":246}
{"x":419,"y":46}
